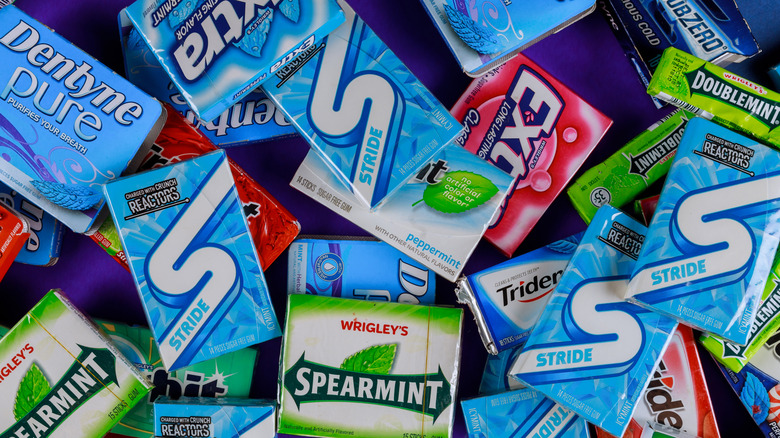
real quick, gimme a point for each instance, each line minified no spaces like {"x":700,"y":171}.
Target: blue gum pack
{"x":222,"y":417}
{"x":43,"y":245}
{"x":217,"y":51}
{"x":508,"y":298}
{"x":253,"y":118}
{"x":357,"y":268}
{"x":495,"y":377}
{"x":592,"y":351}
{"x":714,"y":233}
{"x":66,"y":119}
{"x":361,"y":109}
{"x":192,"y":257}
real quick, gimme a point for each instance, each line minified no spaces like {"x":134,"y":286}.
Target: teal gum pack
{"x":222,"y":417}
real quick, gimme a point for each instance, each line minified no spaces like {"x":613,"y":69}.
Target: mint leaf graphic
{"x":375,"y":360}
{"x":255,"y":34}
{"x":72,"y":197}
{"x":475,"y":36}
{"x":459,"y":191}
{"x":32,"y":389}
{"x":290,"y":9}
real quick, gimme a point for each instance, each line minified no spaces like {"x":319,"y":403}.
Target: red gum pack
{"x":530,"y":125}
{"x":677,"y":394}
{"x":14,"y":232}
{"x":273,"y":228}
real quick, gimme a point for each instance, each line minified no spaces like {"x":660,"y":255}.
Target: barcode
{"x":5,"y":2}
{"x":680,"y":103}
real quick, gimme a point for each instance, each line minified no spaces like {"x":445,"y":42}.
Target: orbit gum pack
{"x":508,"y":298}
{"x":591,"y":351}
{"x":707,"y":273}
{"x":192,"y":258}
{"x":216,"y":52}
{"x":527,"y":123}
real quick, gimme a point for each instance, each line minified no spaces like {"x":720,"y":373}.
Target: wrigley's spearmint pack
{"x":591,"y":351}
{"x":217,"y":51}
{"x":218,"y":418}
{"x":393,"y":367}
{"x":190,"y":252}
{"x":61,"y":378}
{"x":710,"y":244}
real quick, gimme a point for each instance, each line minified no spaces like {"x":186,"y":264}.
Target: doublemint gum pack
{"x":61,"y":378}
{"x":362,"y":110}
{"x":253,"y":118}
{"x":714,"y":233}
{"x":393,"y":367}
{"x":195,"y":266}
{"x":217,"y":51}
{"x":591,"y":351}
{"x":229,"y":375}
{"x":508,"y":298}
{"x":625,"y":174}
{"x":437,"y":218}
{"x":357,"y":268}
{"x":43,"y":245}
{"x":217,"y":418}
{"x":66,"y":119}
{"x":716,"y":94}
{"x":521,"y":413}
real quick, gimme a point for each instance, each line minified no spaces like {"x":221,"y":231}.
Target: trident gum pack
{"x":216,"y":52}
{"x":61,"y":378}
{"x":68,"y":122}
{"x":709,"y":273}
{"x":527,"y":123}
{"x":218,"y":418}
{"x":362,"y":110}
{"x":591,"y":351}
{"x":393,"y":367}
{"x":192,"y":257}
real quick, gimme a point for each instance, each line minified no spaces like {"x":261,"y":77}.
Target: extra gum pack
{"x":223,"y":417}
{"x":42,"y":248}
{"x":527,"y":123}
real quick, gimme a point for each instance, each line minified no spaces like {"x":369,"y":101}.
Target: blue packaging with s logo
{"x":362,"y":110}
{"x":592,"y":351}
{"x":714,"y":233}
{"x":191,"y":254}
{"x":358,"y":268}
{"x":43,"y":245}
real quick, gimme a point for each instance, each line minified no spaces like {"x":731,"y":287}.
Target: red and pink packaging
{"x":530,"y":125}
{"x":677,"y":394}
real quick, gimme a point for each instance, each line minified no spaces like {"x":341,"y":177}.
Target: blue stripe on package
{"x":192,"y":257}
{"x":521,"y":413}
{"x":508,"y":298}
{"x":217,"y":51}
{"x":592,"y":351}
{"x":360,"y":269}
{"x":714,"y":233}
{"x":222,"y":417}
{"x":43,"y":245}
{"x":363,"y":111}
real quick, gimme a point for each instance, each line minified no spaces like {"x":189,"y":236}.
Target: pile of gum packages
{"x":595,"y":323}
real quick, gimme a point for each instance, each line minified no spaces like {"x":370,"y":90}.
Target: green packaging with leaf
{"x":59,"y":377}
{"x":716,"y":94}
{"x":360,"y":368}
{"x":625,"y":174}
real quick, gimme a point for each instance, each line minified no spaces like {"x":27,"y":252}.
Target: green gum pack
{"x":734,"y":356}
{"x":624,"y":175}
{"x":714,"y":93}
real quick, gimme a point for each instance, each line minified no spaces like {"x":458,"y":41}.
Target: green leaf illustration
{"x":459,"y":191}
{"x":32,"y":389}
{"x":375,"y":360}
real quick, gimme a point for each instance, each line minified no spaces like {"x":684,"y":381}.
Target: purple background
{"x":585,"y":56}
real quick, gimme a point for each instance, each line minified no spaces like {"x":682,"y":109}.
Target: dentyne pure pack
{"x":195,"y":266}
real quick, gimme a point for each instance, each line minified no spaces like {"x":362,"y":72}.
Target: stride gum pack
{"x":66,"y":119}
{"x":710,"y":273}
{"x":521,"y":413}
{"x":43,"y":246}
{"x":195,"y":266}
{"x":61,"y":378}
{"x":714,"y":93}
{"x":393,"y":366}
{"x":484,"y":34}
{"x":229,"y":375}
{"x":218,"y":418}
{"x":437,"y":218}
{"x":216,"y":52}
{"x":508,"y":298}
{"x":527,"y":123}
{"x":625,"y":174}
{"x":591,"y":351}
{"x":362,"y":110}
{"x":361,"y":269}
{"x":495,"y":377}
{"x":253,"y":118}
